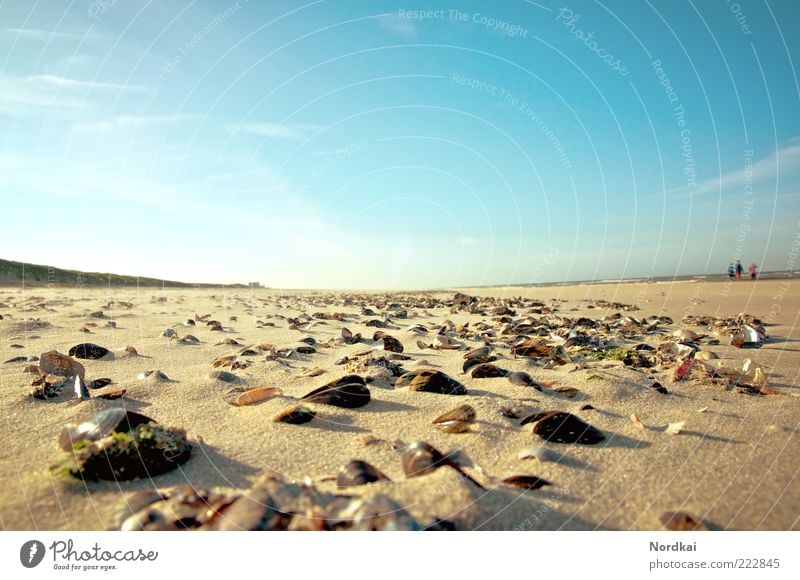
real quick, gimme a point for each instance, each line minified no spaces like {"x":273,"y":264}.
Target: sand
{"x":735,"y":466}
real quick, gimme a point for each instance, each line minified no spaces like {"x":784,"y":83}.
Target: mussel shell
{"x":390,"y":343}
{"x":488,"y":371}
{"x":462,"y":413}
{"x":382,"y":513}
{"x":421,"y":458}
{"x":295,"y":415}
{"x":562,"y":427}
{"x":349,"y":392}
{"x":475,"y":361}
{"x":453,"y":426}
{"x":225,"y":377}
{"x":526,"y":481}
{"x":255,"y":511}
{"x":115,"y":419}
{"x":306,"y":349}
{"x":99,"y":383}
{"x":358,"y":472}
{"x":524,"y":379}
{"x":242,"y":396}
{"x":349,"y":396}
{"x":481,"y":352}
{"x":430,"y":381}
{"x":90,"y":351}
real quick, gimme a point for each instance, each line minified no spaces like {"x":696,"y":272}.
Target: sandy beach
{"x":734,"y":464}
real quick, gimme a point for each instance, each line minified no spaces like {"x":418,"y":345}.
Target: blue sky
{"x":370,"y":144}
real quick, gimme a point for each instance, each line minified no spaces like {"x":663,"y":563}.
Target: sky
{"x":400,"y":145}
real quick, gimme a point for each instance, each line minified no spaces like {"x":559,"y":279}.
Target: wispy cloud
{"x":468,"y":241}
{"x":776,"y":168}
{"x":52,"y":93}
{"x":275,"y":130}
{"x":404,"y":27}
{"x":42,"y":35}
{"x":783,"y":161}
{"x":129,"y":122}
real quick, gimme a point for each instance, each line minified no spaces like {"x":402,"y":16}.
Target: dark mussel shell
{"x":306,"y":349}
{"x":87,"y":350}
{"x":481,"y":352}
{"x":526,"y":481}
{"x":99,"y":383}
{"x":430,"y":381}
{"x":295,"y":415}
{"x":358,"y":472}
{"x":562,"y":427}
{"x":349,"y":392}
{"x":350,"y":338}
{"x":532,"y":347}
{"x":390,"y":343}
{"x":473,"y":362}
{"x":421,"y":458}
{"x":488,"y":371}
{"x":524,"y":380}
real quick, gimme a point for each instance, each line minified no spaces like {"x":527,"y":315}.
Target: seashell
{"x":562,"y":427}
{"x":462,"y":414}
{"x":567,"y":392}
{"x":637,"y":421}
{"x":136,"y":503}
{"x":681,"y":522}
{"x":309,"y":340}
{"x":111,"y":394}
{"x":225,"y":377}
{"x":295,"y":415}
{"x":532,"y":347}
{"x":214,"y":326}
{"x":705,"y":355}
{"x":475,"y":361}
{"x":481,"y":352}
{"x":169,"y":333}
{"x":358,"y":472}
{"x":444,"y":342}
{"x":306,"y":349}
{"x":315,"y":372}
{"x":430,"y":381}
{"x":526,"y":481}
{"x":543,"y":454}
{"x":422,"y":346}
{"x":686,"y":334}
{"x":349,"y":392}
{"x":241,"y":396}
{"x":153,"y":376}
{"x":188,"y":322}
{"x":17,"y":359}
{"x":342,"y":361}
{"x":388,"y":342}
{"x":524,"y":380}
{"x":382,"y":513}
{"x":350,"y":338}
{"x":90,"y":351}
{"x":254,"y":511}
{"x":104,"y":423}
{"x":488,"y":371}
{"x":421,"y":458}
{"x":512,"y":411}
{"x":676,"y":428}
{"x":659,"y":389}
{"x":53,"y":362}
{"x":189,"y":339}
{"x":228,"y":341}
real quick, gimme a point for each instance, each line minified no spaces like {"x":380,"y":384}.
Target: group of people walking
{"x":735,"y":271}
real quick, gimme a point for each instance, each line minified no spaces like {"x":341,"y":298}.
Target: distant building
{"x":255,"y":284}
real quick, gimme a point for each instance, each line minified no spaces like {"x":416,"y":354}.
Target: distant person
{"x":752,"y":269}
{"x":731,"y":271}
{"x":739,"y":269}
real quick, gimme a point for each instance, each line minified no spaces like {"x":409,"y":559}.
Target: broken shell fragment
{"x":457,"y":420}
